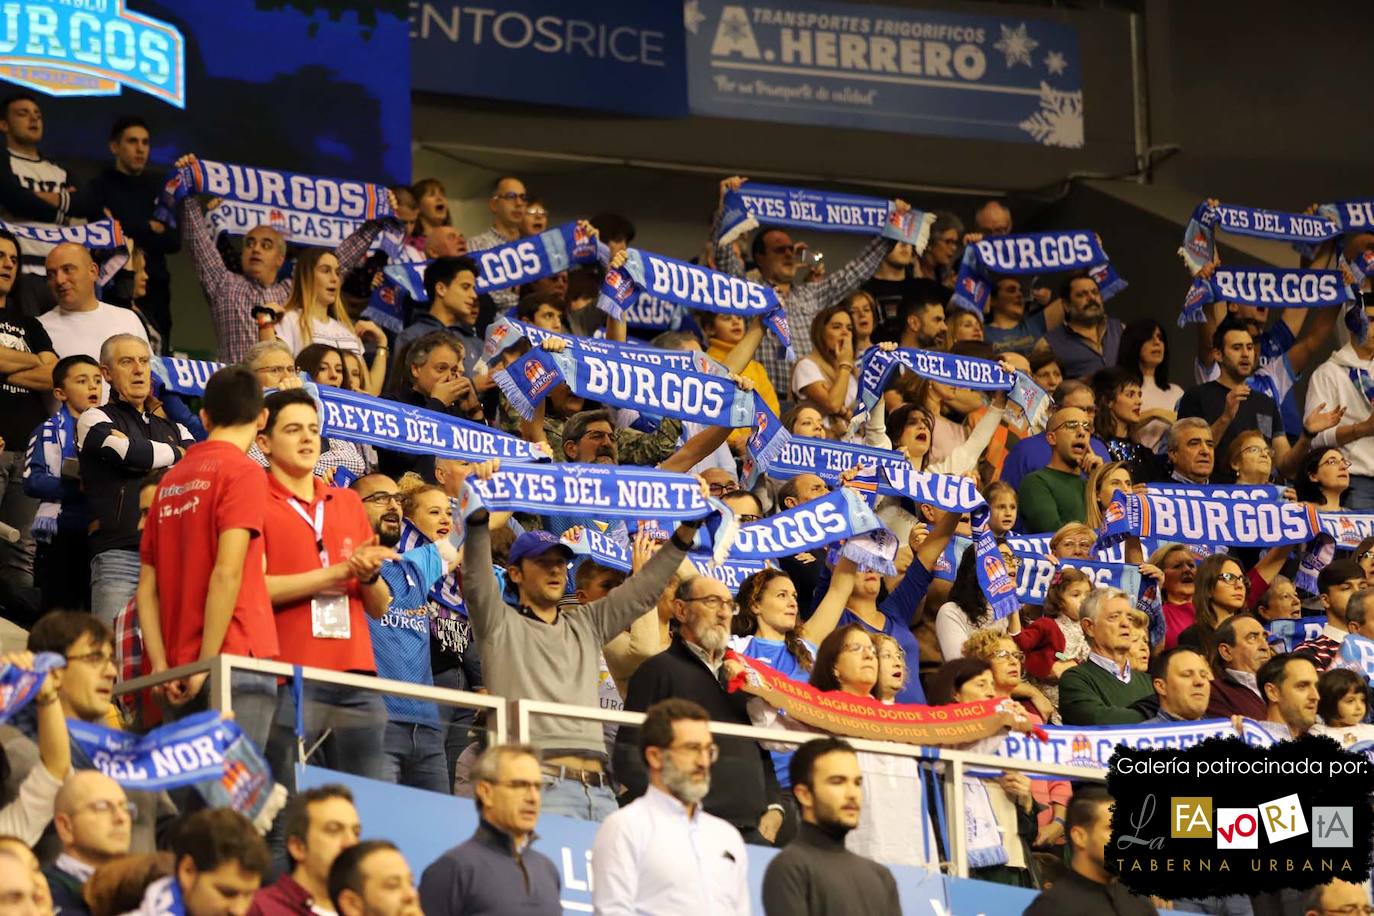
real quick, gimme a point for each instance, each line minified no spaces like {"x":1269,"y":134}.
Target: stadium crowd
{"x":151,"y":529}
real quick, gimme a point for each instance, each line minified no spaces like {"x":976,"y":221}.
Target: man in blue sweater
{"x":496,"y":871}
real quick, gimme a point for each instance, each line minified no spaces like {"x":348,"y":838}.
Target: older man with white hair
{"x":1104,"y":689}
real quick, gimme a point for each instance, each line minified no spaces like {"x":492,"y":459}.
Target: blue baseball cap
{"x":536,"y":543}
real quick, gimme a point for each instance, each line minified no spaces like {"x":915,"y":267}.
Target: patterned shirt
{"x":232,"y":296}
{"x":804,"y":300}
{"x":504,"y":298}
{"x":128,"y":654}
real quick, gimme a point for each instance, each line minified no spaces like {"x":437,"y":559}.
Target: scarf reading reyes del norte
{"x":628,"y":379}
{"x":503,"y":333}
{"x":691,"y":286}
{"x":586,"y":541}
{"x":1264,"y":287}
{"x":876,"y":366}
{"x":306,"y":209}
{"x":751,"y":205}
{"x":1029,"y":254}
{"x":1199,"y":237}
{"x":368,"y":420}
{"x":865,"y":717}
{"x":1214,"y":521}
{"x":202,"y":750}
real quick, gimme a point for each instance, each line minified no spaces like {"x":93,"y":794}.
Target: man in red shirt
{"x":201,"y":588}
{"x":323,"y":575}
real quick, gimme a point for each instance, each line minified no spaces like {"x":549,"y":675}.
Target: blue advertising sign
{"x":91,"y":49}
{"x":601,"y":54}
{"x":1009,"y":77}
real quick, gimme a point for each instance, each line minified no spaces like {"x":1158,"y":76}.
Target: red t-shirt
{"x":215,"y":488}
{"x":290,"y":548}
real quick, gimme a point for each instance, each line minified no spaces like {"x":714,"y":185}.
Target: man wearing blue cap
{"x":538,"y":651}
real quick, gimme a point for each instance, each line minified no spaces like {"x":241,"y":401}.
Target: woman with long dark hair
{"x":1144,"y":349}
{"x":1117,"y":394}
{"x":967,"y":609}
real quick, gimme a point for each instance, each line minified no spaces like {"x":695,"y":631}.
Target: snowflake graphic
{"x":1016,"y":45}
{"x":1059,"y":122}
{"x":1055,"y":63}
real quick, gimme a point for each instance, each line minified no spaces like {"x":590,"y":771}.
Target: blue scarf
{"x":1211,"y":521}
{"x":691,"y":286}
{"x":503,"y":333}
{"x":627,"y":380}
{"x":386,"y":306}
{"x":447,"y":592}
{"x":1357,"y":654}
{"x":1264,"y":287}
{"x":362,"y":418}
{"x":1030,"y":254}
{"x":1293,"y":632}
{"x":597,"y":547}
{"x":1199,"y":238}
{"x":1347,"y":528}
{"x":840,"y":515}
{"x":653,"y":314}
{"x":19,"y":686}
{"x":752,"y":205}
{"x":1253,"y":492}
{"x":733,"y":571}
{"x":1088,"y":746}
{"x":526,"y":260}
{"x":876,"y":366}
{"x":306,"y":209}
{"x":1036,"y":572}
{"x":201,"y":750}
{"x":1361,"y":269}
{"x":775,"y":452}
{"x":100,"y":238}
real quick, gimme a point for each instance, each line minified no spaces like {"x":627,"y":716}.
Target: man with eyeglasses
{"x":1054,"y":495}
{"x":744,"y":788}
{"x":507,"y":203}
{"x":1034,"y":452}
{"x":1337,"y":583}
{"x":663,"y":852}
{"x":93,"y":819}
{"x":496,"y":870}
{"x":1338,"y":898}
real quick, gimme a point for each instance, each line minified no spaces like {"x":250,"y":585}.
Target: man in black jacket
{"x":128,"y":191}
{"x":117,"y":445}
{"x":432,"y":378}
{"x":744,"y":789}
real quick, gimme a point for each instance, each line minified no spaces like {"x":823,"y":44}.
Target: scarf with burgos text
{"x":1031,"y":254}
{"x":1264,"y":287}
{"x":876,"y":366}
{"x":504,"y":333}
{"x":752,"y":205}
{"x":620,"y":380}
{"x":1190,"y":519}
{"x":307,"y":209}
{"x":104,"y":239}
{"x":1199,"y":246}
{"x":380,"y":423}
{"x":691,"y":286}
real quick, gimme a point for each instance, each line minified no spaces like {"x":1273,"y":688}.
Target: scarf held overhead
{"x":1199,"y":237}
{"x":1031,"y":254}
{"x":526,"y":260}
{"x":876,"y":366}
{"x":1264,"y":287}
{"x":752,"y":205}
{"x":19,"y":686}
{"x":1213,"y":522}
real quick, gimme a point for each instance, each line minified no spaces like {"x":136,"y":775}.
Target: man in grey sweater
{"x":541,"y":652}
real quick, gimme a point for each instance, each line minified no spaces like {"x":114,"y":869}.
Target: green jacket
{"x":1091,"y":695}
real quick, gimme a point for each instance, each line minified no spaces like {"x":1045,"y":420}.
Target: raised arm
{"x":826,"y":616}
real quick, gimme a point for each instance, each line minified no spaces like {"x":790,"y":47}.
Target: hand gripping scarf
{"x":1264,"y":287}
{"x":876,"y":366}
{"x":691,"y":286}
{"x":526,"y":260}
{"x":362,"y":418}
{"x":852,"y":716}
{"x":1214,"y":522}
{"x":627,"y":379}
{"x":745,"y":209}
{"x":306,"y":209}
{"x":503,"y":333}
{"x":1030,"y":254}
{"x":19,"y":686}
{"x":1199,"y":238}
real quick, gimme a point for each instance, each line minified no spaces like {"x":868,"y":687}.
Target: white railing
{"x":501,"y":711}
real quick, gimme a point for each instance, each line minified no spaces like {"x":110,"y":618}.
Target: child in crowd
{"x":1342,"y":702}
{"x":1054,"y":642}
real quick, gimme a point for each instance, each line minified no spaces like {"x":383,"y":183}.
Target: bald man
{"x":1054,"y":495}
{"x":94,"y":823}
{"x":993,"y":218}
{"x":81,"y":322}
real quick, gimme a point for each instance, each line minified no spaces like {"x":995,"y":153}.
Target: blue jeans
{"x":1361,"y":493}
{"x":352,"y":719}
{"x":415,"y":757}
{"x":254,"y":700}
{"x":571,"y":798}
{"x":114,"y":579}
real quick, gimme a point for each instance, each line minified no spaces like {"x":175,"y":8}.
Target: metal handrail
{"x":959,"y":761}
{"x":221,"y":666}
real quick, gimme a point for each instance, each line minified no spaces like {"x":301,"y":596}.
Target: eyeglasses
{"x":98,"y":659}
{"x":109,"y":806}
{"x":1332,"y":462}
{"x":892,"y":655}
{"x":1077,"y":545}
{"x":748,"y":517}
{"x":720,"y":489}
{"x":712,"y":751}
{"x":1364,"y":556}
{"x":715,"y":603}
{"x":381,"y":498}
{"x":521,"y":785}
{"x":1229,"y":577}
{"x":1264,"y":450}
{"x":1008,"y":653}
{"x":275,"y":371}
{"x":537,"y":211}
{"x":864,"y":651}
{"x":509,"y":195}
{"x":1084,"y":425}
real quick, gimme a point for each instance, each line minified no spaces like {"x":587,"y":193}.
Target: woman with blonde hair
{"x":314,"y":313}
{"x":1105,"y":480}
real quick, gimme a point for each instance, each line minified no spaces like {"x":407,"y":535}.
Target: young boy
{"x":50,"y":474}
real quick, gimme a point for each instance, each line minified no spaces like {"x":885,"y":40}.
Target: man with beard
{"x":745,"y":791}
{"x":1289,"y":684}
{"x":638,"y":858}
{"x":1230,"y":403}
{"x":1054,"y":495}
{"x":815,"y":874}
{"x":1087,"y":340}
{"x":921,"y":318}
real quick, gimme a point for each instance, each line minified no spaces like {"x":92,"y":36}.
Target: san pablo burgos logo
{"x":90,"y":48}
